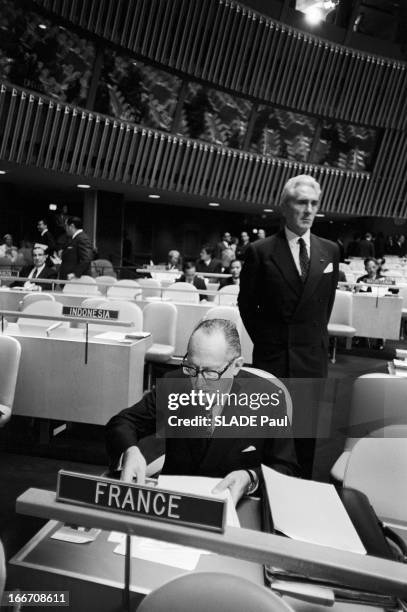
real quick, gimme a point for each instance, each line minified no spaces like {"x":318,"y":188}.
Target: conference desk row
{"x":63,"y":377}
{"x":93,"y":573}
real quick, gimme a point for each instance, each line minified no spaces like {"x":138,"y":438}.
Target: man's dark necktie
{"x":304,"y":259}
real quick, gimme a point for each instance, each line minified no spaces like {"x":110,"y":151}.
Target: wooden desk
{"x":93,"y":573}
{"x":377,"y":317}
{"x":55,"y":383}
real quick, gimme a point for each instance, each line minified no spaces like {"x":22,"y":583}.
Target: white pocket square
{"x":329,"y":268}
{"x":249,"y":449}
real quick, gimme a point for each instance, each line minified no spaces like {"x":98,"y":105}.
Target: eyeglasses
{"x":192,"y":371}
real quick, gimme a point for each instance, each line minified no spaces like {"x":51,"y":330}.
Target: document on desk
{"x":174,"y":555}
{"x":310,"y":511}
{"x":203,"y":486}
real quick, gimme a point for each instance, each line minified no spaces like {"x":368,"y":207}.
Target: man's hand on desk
{"x":237,"y":482}
{"x":133,"y":465}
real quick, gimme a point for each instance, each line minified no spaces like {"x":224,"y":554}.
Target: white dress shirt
{"x":292,"y":240}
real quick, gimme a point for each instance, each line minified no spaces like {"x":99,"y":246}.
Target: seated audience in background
{"x":173,"y":260}
{"x":228,"y":255}
{"x":372,"y":273}
{"x":261,"y":234}
{"x":212,"y":364}
{"x":234,"y":270}
{"x":45,"y":237}
{"x":242,"y":246}
{"x":8,"y":251}
{"x":39,"y":269}
{"x":207,"y":262}
{"x":190,"y":276}
{"x":25,"y":253}
{"x":400,"y":247}
{"x":77,"y":254}
{"x":223,"y":244}
{"x":366,"y":246}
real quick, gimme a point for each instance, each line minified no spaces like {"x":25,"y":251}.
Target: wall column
{"x":90,"y":214}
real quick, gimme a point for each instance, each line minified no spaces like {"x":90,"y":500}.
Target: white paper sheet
{"x":156,"y":551}
{"x":201,"y":485}
{"x":117,"y":336}
{"x":310,"y":511}
{"x":174,"y":555}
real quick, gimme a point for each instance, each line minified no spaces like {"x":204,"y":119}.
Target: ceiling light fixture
{"x":42,"y":26}
{"x":268,"y":210}
{"x":52,"y":207}
{"x":314,"y":15}
{"x":2,"y":172}
{"x":320,"y":215}
{"x":154,"y":196}
{"x":214,"y":204}
{"x":83,"y":186}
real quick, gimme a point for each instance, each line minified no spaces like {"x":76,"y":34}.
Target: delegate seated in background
{"x":372,"y":274}
{"x":234,"y":270}
{"x":189,"y":275}
{"x":34,"y":272}
{"x":213,"y":362}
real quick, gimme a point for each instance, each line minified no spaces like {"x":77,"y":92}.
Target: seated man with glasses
{"x":211,"y":368}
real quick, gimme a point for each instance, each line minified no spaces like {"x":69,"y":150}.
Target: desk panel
{"x":377,"y":317}
{"x":55,"y":383}
{"x":93,"y":573}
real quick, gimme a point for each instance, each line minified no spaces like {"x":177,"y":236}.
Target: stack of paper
{"x":310,"y":511}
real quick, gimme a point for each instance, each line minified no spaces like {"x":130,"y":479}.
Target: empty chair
{"x":340,"y":322}
{"x":150,"y":287}
{"x":104,"y":282}
{"x":10,"y":352}
{"x":182,"y":292}
{"x":81,"y":286}
{"x":42,"y":308}
{"x":125,"y":289}
{"x":128,"y":312}
{"x":95,"y":302}
{"x":160,"y":319}
{"x":378,"y":401}
{"x":276,"y":381}
{"x":378,"y":467}
{"x":102,"y":267}
{"x":30,"y":298}
{"x":230,"y":313}
{"x":228,"y":295}
{"x":206,"y":591}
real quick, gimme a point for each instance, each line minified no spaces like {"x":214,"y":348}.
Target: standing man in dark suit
{"x":78,"y":253}
{"x":287,"y":289}
{"x":46,"y":238}
{"x":38,"y":270}
{"x":212,"y":365}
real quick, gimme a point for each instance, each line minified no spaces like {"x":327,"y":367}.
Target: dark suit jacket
{"x":215,"y":457}
{"x":287,"y":319}
{"x":215,"y":266}
{"x":76,"y":256}
{"x":225,"y":282}
{"x":47,"y":272}
{"x":49,"y":240}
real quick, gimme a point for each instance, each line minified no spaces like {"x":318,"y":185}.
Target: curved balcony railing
{"x":231,"y":46}
{"x":37,"y":131}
